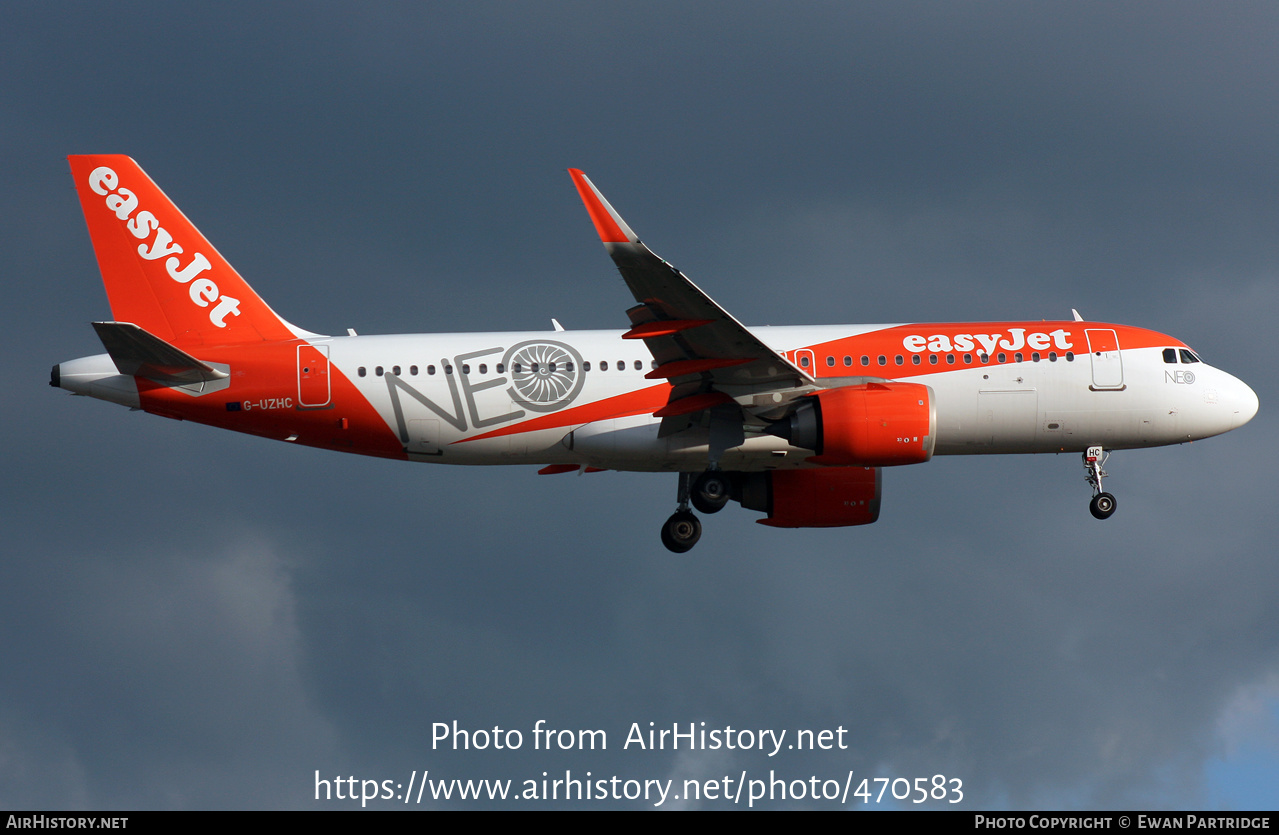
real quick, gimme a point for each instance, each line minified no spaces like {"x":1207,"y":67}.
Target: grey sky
{"x":198,"y":619}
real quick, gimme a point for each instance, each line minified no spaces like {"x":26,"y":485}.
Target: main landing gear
{"x":681,"y":532}
{"x":1102,"y":504}
{"x":709,"y":493}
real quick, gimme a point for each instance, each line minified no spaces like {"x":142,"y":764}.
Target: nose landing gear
{"x":1102,"y":504}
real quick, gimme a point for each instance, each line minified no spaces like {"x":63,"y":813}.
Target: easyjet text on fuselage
{"x":1011,"y":339}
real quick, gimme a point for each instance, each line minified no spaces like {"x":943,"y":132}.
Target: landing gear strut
{"x":681,"y":532}
{"x":1102,"y":504}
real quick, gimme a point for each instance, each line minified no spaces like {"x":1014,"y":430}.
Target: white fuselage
{"x":449,"y":390}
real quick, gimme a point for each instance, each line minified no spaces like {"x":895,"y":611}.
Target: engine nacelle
{"x":833,"y":497}
{"x":871,"y":425}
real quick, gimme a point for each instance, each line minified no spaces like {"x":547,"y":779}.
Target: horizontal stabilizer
{"x":137,"y":353}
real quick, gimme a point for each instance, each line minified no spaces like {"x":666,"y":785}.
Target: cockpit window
{"x":1170,"y":356}
{"x":1188,"y":356}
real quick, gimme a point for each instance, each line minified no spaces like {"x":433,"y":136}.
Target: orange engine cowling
{"x":871,"y":425}
{"x":831,"y":497}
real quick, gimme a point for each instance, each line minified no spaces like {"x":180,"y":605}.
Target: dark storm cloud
{"x":200,"y":619}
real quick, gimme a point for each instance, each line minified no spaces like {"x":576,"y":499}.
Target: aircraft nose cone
{"x":1245,"y":403}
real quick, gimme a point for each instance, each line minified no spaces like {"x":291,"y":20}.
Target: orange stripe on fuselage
{"x":926,"y":341}
{"x":640,"y":402}
{"x":264,"y":386}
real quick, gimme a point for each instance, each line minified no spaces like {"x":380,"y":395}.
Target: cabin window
{"x":363,"y":371}
{"x":412,"y":370}
{"x":1003,"y":358}
{"x":466,"y":368}
{"x":1034,"y":357}
{"x":984,"y":357}
{"x":830,"y":362}
{"x":932,"y":358}
{"x":915,"y":359}
{"x":950,"y":359}
{"x":1017,"y":356}
{"x":848,"y":362}
{"x":1052,"y":356}
{"x":430,"y":370}
{"x":484,"y":369}
{"x":883,"y":360}
{"x":378,"y":371}
{"x":448,"y":369}
{"x":865,"y":360}
{"x":586,"y":366}
{"x":898,"y":359}
{"x":968,"y":359}
{"x":639,"y":365}
{"x":1070,"y":356}
{"x":803,"y":361}
{"x":395,"y":369}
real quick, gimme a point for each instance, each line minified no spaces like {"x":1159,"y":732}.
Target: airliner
{"x":795,"y":422}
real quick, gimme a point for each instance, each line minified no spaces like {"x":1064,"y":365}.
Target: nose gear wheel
{"x":1103,"y":503}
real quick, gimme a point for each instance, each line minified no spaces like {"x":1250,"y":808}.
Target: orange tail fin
{"x":160,"y":272}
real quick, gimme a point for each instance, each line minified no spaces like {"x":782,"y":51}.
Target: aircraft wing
{"x":709,"y":357}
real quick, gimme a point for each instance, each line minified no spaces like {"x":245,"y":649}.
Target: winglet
{"x":608,"y":223}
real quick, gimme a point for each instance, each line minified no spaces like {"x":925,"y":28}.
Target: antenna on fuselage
{"x":1075,"y":313}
